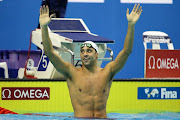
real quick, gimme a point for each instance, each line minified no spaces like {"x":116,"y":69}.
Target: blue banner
{"x":158,"y":92}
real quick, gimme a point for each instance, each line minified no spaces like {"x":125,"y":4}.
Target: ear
{"x":97,"y":55}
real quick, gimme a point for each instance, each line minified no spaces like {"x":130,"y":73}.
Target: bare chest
{"x":92,"y":84}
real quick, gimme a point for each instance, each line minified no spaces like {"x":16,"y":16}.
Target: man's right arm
{"x":61,"y":66}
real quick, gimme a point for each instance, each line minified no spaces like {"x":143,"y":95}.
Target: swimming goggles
{"x":90,"y":45}
{"x":86,"y":44}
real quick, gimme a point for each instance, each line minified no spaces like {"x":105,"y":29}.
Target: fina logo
{"x":153,"y":93}
{"x":158,"y":93}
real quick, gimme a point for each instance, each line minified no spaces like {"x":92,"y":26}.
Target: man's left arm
{"x":122,"y":57}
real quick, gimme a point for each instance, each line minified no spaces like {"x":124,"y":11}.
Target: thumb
{"x":52,"y":15}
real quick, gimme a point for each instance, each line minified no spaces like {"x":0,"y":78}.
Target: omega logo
{"x":25,"y":93}
{"x":163,"y":63}
{"x":9,"y":93}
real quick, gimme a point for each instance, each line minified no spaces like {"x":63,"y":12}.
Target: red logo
{"x":25,"y":93}
{"x":162,"y":63}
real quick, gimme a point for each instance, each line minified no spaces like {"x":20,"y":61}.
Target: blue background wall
{"x":19,"y":17}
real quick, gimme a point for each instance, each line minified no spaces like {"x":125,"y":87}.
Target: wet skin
{"x":89,"y":90}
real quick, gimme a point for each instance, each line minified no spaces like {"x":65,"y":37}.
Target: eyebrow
{"x":90,"y":48}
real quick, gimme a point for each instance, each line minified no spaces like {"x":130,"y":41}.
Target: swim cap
{"x":93,"y":45}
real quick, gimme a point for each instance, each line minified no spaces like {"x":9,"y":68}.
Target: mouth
{"x":86,"y":59}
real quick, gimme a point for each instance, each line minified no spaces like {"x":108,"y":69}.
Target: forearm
{"x":47,"y":44}
{"x":122,"y":57}
{"x":128,"y":43}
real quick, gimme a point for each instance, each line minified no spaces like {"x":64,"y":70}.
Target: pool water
{"x":113,"y":116}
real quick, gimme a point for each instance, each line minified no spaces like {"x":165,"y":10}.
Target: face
{"x":88,"y":56}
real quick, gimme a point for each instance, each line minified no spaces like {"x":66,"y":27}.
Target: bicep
{"x":119,"y":62}
{"x":61,"y":65}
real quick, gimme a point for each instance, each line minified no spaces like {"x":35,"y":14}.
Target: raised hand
{"x":134,"y":15}
{"x":44,"y":18}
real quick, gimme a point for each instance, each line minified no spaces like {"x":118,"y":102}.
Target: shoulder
{"x":71,"y":70}
{"x":108,"y":69}
{"x":75,"y":71}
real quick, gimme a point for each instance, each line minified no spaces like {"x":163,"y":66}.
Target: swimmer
{"x":89,"y":85}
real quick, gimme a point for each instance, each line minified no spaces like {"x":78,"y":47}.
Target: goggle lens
{"x":86,"y":44}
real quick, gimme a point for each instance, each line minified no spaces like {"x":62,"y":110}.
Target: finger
{"x":127,"y":12}
{"x":137,"y":8}
{"x":52,"y":15}
{"x":134,"y":8}
{"x":47,"y":9}
{"x":43,"y":9}
{"x":140,"y":12}
{"x":40,"y":10}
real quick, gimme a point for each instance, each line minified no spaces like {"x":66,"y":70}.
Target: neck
{"x":91,"y":69}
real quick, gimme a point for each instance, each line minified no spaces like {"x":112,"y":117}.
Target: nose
{"x":85,"y":54}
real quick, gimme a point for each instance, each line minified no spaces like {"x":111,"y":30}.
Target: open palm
{"x":134,"y":15}
{"x":44,"y":18}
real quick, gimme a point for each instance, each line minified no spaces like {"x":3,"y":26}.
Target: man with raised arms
{"x":89,"y":85}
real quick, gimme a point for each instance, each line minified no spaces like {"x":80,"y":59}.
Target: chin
{"x":86,"y":64}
